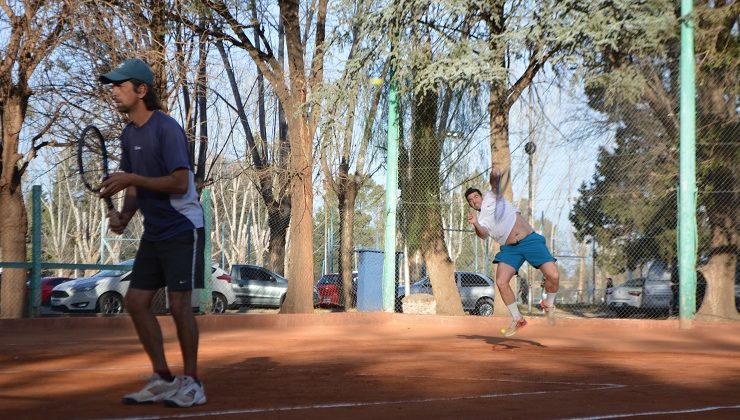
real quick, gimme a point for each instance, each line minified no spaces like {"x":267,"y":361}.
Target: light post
{"x":530,"y":148}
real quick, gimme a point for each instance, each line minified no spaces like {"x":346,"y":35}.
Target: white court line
{"x":588,"y":387}
{"x":657,"y":413}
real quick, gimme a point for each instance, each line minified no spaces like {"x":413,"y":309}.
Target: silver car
{"x":640,"y":293}
{"x":476,"y":292}
{"x":104,"y":293}
{"x":253,"y":285}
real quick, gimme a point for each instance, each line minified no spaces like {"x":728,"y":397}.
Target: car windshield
{"x":423,"y":282}
{"x":109,"y":273}
{"x":638,"y":282}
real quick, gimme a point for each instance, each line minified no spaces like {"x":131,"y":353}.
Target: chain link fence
{"x":593,"y":166}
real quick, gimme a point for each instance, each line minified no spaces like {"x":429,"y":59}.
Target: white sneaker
{"x":157,"y":389}
{"x":190,"y":393}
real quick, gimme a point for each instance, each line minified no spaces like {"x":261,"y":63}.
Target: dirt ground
{"x":380,"y":365}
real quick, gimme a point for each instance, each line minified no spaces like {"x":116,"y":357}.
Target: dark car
{"x":329,"y":287}
{"x":701,"y":288}
{"x":257,"y":286}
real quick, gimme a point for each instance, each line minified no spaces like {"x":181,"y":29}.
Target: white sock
{"x":551,"y":298}
{"x":514,"y":311}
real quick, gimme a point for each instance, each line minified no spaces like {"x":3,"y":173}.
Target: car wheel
{"x":484,"y":307}
{"x":109,"y":304}
{"x":218,"y":303}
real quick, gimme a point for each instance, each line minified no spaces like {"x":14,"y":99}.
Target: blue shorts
{"x":532,"y":249}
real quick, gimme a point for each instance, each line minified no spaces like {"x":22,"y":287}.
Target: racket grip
{"x":113,"y":215}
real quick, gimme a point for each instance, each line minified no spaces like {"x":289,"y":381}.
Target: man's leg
{"x":191,"y":390}
{"x":552,"y":284}
{"x":138,"y":304}
{"x":552,"y":276}
{"x":504,"y":273}
{"x":161,"y":385}
{"x":187,"y":329}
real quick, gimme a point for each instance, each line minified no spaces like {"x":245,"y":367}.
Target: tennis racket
{"x":92,"y":160}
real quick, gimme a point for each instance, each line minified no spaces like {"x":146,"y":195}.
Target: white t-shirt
{"x":497,"y":216}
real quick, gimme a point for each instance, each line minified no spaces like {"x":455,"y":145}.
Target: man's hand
{"x":118,"y":224}
{"x":116,"y":182}
{"x":472,"y":218}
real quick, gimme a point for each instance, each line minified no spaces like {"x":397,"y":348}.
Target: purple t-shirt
{"x":155,"y":149}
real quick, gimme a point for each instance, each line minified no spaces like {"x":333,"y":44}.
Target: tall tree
{"x":34,"y":29}
{"x":293,"y":88}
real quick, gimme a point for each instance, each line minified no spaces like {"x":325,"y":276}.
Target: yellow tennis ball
{"x":377,"y":81}
{"x":503,"y":330}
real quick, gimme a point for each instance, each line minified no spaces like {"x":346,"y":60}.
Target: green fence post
{"x":34,"y":296}
{"x":205,"y":295}
{"x":687,"y":241}
{"x":391,"y":194}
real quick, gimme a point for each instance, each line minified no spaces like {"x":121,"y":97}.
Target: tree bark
{"x":426,"y":216}
{"x":13,"y":218}
{"x":720,"y":271}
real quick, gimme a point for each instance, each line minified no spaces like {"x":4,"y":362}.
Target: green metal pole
{"x":687,"y":241}
{"x":391,"y":197}
{"x":205,"y":295}
{"x":34,"y":297}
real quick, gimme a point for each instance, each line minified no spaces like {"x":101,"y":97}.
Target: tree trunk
{"x":278,"y":219}
{"x":426,"y":217}
{"x":13,"y":219}
{"x":720,"y":271}
{"x":347,"y":198}
{"x":501,"y":159}
{"x":299,"y":271}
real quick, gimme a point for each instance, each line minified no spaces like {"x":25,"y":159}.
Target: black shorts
{"x":176,"y":262}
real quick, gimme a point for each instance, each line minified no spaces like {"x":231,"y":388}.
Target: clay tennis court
{"x":380,"y":366}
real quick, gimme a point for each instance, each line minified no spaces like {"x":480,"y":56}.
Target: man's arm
{"x":174,"y":183}
{"x":479,"y":230}
{"x":495,"y":181}
{"x":127,"y":212}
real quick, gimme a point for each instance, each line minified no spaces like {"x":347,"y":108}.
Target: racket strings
{"x":93,"y":162}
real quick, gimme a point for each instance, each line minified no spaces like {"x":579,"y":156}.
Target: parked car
{"x":104,"y":292}
{"x":701,"y":288}
{"x":47,"y":285}
{"x":476,"y":292}
{"x":257,"y":286}
{"x":330,"y":292}
{"x":640,"y":293}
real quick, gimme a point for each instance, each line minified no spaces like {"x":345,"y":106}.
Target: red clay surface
{"x":380,"y":365}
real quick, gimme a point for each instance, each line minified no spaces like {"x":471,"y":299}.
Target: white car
{"x":640,"y":293}
{"x":104,"y":292}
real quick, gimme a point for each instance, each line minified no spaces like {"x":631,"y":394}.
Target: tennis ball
{"x":503,"y":330}
{"x":377,"y":81}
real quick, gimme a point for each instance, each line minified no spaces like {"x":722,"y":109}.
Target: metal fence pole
{"x":391,"y":197}
{"x":205,"y":295}
{"x":34,"y":297}
{"x":687,"y":241}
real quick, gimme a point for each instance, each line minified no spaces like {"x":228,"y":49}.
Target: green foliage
{"x":629,"y":207}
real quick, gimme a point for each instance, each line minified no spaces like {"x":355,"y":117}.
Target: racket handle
{"x":113,"y":215}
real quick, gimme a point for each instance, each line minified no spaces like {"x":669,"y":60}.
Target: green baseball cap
{"x":129,"y":69}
